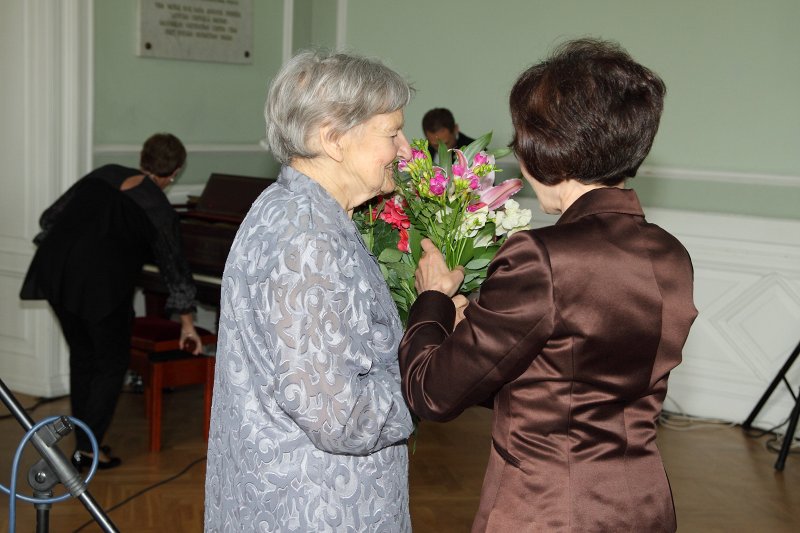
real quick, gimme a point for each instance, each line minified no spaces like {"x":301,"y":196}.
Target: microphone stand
{"x":54,"y":467}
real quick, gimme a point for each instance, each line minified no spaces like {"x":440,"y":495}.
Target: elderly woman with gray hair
{"x":308,"y":425}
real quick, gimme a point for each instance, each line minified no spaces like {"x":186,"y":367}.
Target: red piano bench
{"x":156,"y":356}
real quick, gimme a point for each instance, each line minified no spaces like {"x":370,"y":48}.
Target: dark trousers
{"x":99,"y":355}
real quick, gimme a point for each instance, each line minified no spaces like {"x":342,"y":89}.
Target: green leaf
{"x":403,"y":270}
{"x":471,"y":287}
{"x":485,"y":234}
{"x":384,"y":236}
{"x":487,"y":252}
{"x":437,"y":234}
{"x":477,"y":145}
{"x":470,"y":276}
{"x":477,"y":264}
{"x":399,"y":299}
{"x":415,"y":242}
{"x":445,"y":158}
{"x":390,"y":255}
{"x":500,"y":152}
{"x":466,"y":253}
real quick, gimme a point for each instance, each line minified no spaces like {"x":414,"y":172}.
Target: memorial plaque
{"x":197,"y":30}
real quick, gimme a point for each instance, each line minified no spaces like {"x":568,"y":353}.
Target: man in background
{"x":439,"y":125}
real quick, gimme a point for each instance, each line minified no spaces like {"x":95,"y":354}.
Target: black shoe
{"x":83,"y":460}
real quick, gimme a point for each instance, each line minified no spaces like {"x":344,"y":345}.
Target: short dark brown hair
{"x":162,"y":154}
{"x":438,"y":118}
{"x":589,"y":112}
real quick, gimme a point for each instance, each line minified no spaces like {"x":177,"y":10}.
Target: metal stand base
{"x":789,"y":437}
{"x":56,"y":464}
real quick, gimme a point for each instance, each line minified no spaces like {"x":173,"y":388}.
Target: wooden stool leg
{"x":148,"y":399}
{"x":156,"y":386}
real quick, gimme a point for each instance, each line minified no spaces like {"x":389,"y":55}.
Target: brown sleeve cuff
{"x":433,"y":306}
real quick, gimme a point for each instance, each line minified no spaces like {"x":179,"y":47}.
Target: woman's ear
{"x":330,"y":143}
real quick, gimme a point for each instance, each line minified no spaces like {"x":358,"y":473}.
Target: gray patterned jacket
{"x":308,"y":424}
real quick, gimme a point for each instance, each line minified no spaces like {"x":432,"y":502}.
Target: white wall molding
{"x":133,"y":149}
{"x":738,"y":178}
{"x":509,"y":163}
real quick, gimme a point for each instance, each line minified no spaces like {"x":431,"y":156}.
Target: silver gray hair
{"x":315,"y":89}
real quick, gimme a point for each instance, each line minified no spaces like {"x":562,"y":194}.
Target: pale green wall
{"x":731,"y":68}
{"x":302,"y":24}
{"x":324,"y":23}
{"x":202,"y":103}
{"x":314,"y":24}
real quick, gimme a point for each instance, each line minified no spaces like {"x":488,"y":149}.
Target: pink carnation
{"x":438,"y":183}
{"x":481,"y":158}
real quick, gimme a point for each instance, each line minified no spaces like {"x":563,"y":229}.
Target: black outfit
{"x":94,"y":241}
{"x":461,"y":141}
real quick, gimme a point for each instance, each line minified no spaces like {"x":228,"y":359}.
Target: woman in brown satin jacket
{"x":577,"y":325}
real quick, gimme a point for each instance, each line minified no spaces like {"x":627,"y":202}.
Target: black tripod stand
{"x":54,"y":466}
{"x":789,"y":437}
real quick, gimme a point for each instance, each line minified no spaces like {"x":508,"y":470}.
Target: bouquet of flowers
{"x":455,"y":204}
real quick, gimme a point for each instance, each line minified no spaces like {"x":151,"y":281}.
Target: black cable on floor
{"x":775,"y":443}
{"x":40,"y":402}
{"x":145,"y":490}
{"x":756,"y":433}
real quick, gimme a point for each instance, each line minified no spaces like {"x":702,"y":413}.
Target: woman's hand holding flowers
{"x":461,"y":302}
{"x":432,"y":273}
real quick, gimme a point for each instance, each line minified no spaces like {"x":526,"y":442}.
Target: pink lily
{"x":496,"y":195}
{"x":461,"y":169}
{"x":491,"y":195}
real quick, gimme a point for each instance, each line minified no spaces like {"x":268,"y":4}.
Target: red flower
{"x":403,"y":244}
{"x":394,"y":214}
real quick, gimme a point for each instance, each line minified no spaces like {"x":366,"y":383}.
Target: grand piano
{"x":208,"y":227}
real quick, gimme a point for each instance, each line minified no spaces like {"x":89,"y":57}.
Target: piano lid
{"x":228,"y":197}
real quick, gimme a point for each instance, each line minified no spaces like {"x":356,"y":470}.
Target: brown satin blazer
{"x":574,"y":334}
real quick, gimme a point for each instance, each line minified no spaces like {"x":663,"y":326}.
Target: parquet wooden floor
{"x":723,"y":481}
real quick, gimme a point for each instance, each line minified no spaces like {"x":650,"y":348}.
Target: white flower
{"x":473,"y":222}
{"x":512,"y":219}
